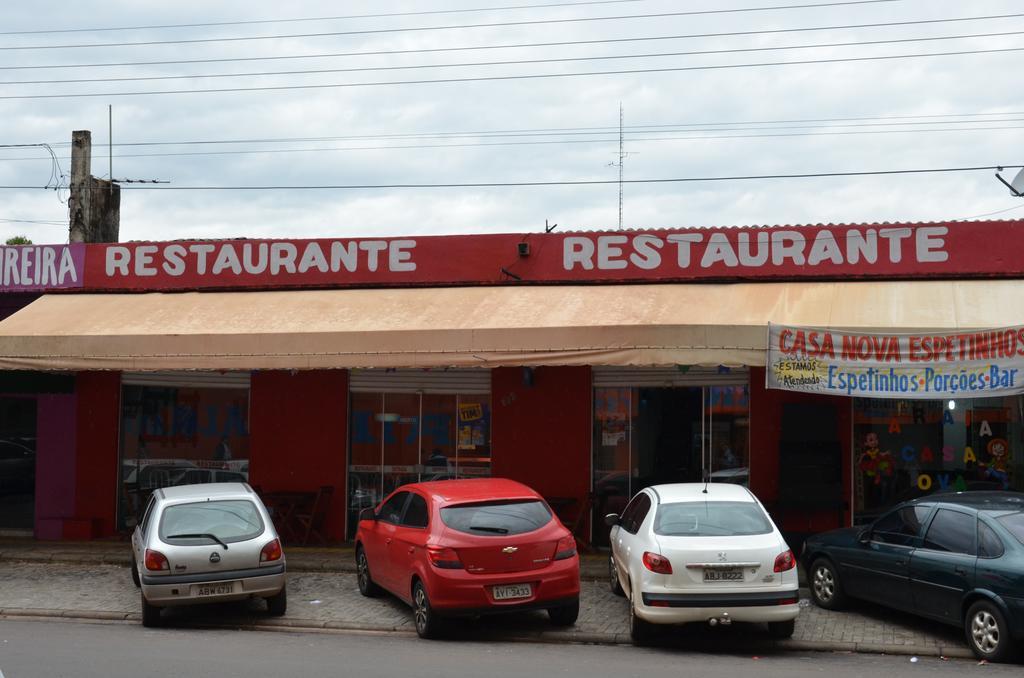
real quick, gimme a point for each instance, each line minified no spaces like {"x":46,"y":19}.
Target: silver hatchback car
{"x":207,"y":543}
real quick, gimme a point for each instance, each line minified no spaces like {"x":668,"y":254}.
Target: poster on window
{"x":923,"y":366}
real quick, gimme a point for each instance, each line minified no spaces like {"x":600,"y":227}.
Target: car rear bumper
{"x":681,"y":608}
{"x":456,"y":592}
{"x":171,"y":590}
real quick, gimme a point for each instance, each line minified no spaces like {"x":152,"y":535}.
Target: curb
{"x":546,"y":637}
{"x":343,"y":566}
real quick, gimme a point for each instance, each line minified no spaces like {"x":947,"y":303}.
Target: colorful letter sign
{"x":925,"y":366}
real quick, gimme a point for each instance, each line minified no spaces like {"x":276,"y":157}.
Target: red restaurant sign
{"x":968,"y":249}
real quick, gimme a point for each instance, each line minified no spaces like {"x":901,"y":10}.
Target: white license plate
{"x":724,"y":575}
{"x":511,"y":591}
{"x":204,"y":590}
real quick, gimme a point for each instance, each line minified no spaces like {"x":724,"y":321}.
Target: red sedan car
{"x":468,"y":547}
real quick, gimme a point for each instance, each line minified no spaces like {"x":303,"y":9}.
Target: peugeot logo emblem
{"x":510,"y":549}
{"x":214,"y":557}
{"x":721,"y":556}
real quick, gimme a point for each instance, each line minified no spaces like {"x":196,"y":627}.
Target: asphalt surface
{"x":54,"y":649}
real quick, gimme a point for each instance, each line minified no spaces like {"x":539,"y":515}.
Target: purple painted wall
{"x":55,"y":464}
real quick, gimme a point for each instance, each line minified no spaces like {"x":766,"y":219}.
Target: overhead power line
{"x":464,"y":48}
{"x":583,"y":182}
{"x":381,"y":15}
{"x":494,"y":78}
{"x":420,"y":29}
{"x":518,"y":62}
{"x":605,"y":140}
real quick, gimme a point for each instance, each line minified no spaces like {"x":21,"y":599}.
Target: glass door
{"x":649,"y":436}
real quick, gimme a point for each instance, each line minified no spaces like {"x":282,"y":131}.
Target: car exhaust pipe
{"x":724,"y":620}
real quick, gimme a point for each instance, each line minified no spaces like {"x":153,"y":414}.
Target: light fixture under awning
{"x":696,"y":324}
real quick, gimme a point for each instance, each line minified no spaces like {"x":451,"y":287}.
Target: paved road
{"x":53,"y":649}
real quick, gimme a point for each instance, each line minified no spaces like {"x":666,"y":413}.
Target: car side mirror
{"x":611,"y":520}
{"x":367,"y":514}
{"x":864,"y":537}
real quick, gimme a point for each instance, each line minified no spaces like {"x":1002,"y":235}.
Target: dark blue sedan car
{"x":957,"y":558}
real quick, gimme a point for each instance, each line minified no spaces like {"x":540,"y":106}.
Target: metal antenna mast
{"x":620,"y":164}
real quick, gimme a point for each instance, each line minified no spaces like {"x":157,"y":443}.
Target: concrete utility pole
{"x":94,"y":206}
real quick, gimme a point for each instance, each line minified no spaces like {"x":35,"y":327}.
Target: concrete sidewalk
{"x":91,"y":580}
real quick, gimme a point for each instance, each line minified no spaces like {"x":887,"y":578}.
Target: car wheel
{"x":987,"y":632}
{"x":826,"y":589}
{"x":613,"y":578}
{"x":639,"y":630}
{"x":135,"y":574}
{"x":565,"y":615}
{"x":782,"y":630}
{"x":150,"y":613}
{"x":427,"y":623}
{"x":277,"y":605}
{"x":367,"y":587}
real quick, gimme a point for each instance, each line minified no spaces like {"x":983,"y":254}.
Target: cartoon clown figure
{"x":876,"y":469}
{"x":997,"y":449}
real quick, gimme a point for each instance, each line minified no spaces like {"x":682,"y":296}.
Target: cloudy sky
{"x":460,"y":104}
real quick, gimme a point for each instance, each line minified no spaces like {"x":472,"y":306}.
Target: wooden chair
{"x":311,"y":524}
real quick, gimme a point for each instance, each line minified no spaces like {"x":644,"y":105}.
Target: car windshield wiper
{"x":199,"y":535}
{"x":487,"y":528}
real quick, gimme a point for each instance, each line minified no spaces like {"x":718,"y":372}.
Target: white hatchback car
{"x":695,"y":552}
{"x":207,"y":543}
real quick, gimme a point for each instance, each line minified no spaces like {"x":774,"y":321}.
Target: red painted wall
{"x":97,"y":421}
{"x":541,"y":433}
{"x":766,"y":408}
{"x":55,"y":464}
{"x":298,"y":430}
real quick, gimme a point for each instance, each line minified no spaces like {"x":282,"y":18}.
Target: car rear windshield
{"x":710,"y":519}
{"x":497,"y":518}
{"x":1014,"y":522}
{"x":227,"y":521}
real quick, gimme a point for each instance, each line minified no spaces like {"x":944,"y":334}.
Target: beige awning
{"x":477,"y":326}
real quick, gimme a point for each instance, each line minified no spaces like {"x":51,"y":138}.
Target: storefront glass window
{"x":909,"y":448}
{"x":647,"y":436}
{"x":179,"y":436}
{"x":399,"y":438}
{"x":17,"y":462}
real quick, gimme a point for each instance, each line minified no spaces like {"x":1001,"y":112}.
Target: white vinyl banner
{"x":925,"y":366}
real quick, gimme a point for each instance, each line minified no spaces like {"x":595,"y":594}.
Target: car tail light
{"x":156,"y":561}
{"x":444,"y":558}
{"x":566,"y":548}
{"x":657,"y":563}
{"x":271,"y":552}
{"x":785,"y":561}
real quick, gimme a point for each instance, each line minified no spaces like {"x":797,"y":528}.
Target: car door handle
{"x":960,"y":571}
{"x":387,"y":542}
{"x":901,"y":562}
{"x":411,"y":550}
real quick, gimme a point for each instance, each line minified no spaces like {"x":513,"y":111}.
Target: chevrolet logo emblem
{"x":509,"y":550}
